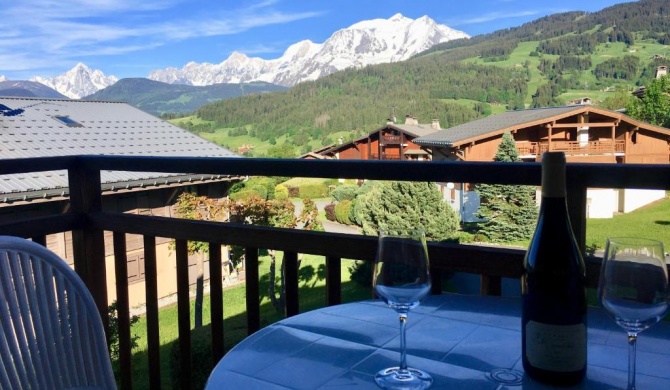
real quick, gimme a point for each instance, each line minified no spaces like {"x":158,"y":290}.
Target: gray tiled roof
{"x":420,"y":130}
{"x":506,"y":120}
{"x":107,"y":128}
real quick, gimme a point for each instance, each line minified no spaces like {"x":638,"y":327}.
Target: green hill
{"x":158,"y":98}
{"x":547,"y":62}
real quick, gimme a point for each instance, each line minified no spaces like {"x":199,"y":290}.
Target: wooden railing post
{"x":333,"y":280}
{"x":153,"y":332}
{"x":183,"y":314}
{"x":576,"y":198}
{"x":292,"y":301}
{"x":216,"y":300}
{"x":123,"y":310}
{"x":253,"y":291}
{"x":88,"y":242}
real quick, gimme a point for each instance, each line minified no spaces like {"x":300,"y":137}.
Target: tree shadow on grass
{"x":235,"y":330}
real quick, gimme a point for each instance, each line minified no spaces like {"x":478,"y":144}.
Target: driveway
{"x":329,"y":226}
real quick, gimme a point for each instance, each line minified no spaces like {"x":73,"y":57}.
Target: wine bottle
{"x":553,"y":319}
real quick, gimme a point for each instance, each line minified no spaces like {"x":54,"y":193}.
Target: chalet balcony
{"x":392,"y":139}
{"x":88,"y":222}
{"x":601,"y":147}
{"x":384,"y":156}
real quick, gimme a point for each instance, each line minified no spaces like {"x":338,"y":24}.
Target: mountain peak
{"x":78,"y":82}
{"x":368,"y":42}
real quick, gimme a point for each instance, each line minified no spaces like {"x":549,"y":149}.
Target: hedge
{"x":342,"y":212}
{"x":313,"y":191}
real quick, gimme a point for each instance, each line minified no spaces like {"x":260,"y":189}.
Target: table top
{"x":463,"y":342}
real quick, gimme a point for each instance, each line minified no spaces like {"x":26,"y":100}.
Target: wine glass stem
{"x":403,"y":352}
{"x":632,"y":342}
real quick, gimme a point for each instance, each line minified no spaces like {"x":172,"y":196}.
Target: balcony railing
{"x":571,"y":147}
{"x":392,"y":139}
{"x":88,"y":222}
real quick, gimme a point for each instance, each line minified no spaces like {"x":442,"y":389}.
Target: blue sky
{"x":129,"y":38}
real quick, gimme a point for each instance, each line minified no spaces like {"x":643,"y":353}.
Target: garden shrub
{"x":237,"y":187}
{"x":361,"y":273}
{"x":330,"y":211}
{"x":201,"y":358}
{"x":342,"y":212}
{"x":245,"y":194}
{"x":313,"y":191}
{"x":293,"y":192}
{"x":268,"y":183}
{"x":345,"y":192}
{"x":281,"y":192}
{"x":261,"y":191}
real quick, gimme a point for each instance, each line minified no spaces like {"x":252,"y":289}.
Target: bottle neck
{"x":553,"y":181}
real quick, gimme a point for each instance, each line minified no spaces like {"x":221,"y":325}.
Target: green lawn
{"x":651,"y":221}
{"x":312,"y":296}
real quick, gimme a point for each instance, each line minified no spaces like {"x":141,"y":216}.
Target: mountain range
{"x":157,"y":98}
{"x":368,"y":42}
{"x":365,"y":43}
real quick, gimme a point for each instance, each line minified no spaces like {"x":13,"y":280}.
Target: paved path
{"x":329,"y":226}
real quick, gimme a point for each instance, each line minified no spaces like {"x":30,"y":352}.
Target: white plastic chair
{"x":51,"y":334}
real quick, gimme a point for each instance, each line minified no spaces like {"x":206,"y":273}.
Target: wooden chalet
{"x":37,"y":128}
{"x":390,"y":142}
{"x":585,"y":133}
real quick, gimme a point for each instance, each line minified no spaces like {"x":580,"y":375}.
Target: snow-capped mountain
{"x":365,"y":43}
{"x":78,"y":82}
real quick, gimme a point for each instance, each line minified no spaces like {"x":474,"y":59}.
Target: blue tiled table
{"x":464,"y":342}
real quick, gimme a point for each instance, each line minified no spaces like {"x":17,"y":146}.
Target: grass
{"x":651,"y":221}
{"x":312,"y":296}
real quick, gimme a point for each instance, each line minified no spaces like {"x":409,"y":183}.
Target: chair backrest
{"x":51,"y":334}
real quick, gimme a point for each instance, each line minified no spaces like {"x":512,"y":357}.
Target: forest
{"x":460,"y":80}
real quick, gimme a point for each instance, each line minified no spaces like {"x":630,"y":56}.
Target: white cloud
{"x":491,"y":16}
{"x":36,"y":33}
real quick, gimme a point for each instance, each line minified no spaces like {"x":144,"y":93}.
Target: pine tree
{"x":399,"y":207}
{"x":509,"y":211}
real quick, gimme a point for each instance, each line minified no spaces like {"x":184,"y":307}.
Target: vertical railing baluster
{"x":216,"y":300}
{"x":292,"y":300}
{"x":435,"y":281}
{"x":123,"y":310}
{"x":490,"y":285}
{"x":183,"y":314}
{"x":88,"y":242}
{"x":576,"y":198}
{"x":333,"y":280}
{"x":252,"y":290}
{"x":153,"y":332}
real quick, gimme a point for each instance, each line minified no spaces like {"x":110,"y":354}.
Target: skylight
{"x":66,"y":120}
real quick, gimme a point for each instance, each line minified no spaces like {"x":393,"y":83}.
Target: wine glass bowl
{"x":633,"y":288}
{"x":401,"y":279}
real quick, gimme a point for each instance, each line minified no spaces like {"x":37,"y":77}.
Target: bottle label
{"x":559,"y":348}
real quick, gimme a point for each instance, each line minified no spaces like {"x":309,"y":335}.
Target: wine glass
{"x":633,"y":288}
{"x":401,"y":278}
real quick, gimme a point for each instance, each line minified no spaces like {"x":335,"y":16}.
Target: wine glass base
{"x":410,"y":379}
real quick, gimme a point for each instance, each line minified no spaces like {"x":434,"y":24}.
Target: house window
{"x":67,"y":121}
{"x":633,"y":137}
{"x":135,"y":268}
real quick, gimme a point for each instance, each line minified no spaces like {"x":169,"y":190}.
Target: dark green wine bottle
{"x":553,"y":318}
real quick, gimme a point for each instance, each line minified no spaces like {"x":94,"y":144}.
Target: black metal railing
{"x":88,"y":222}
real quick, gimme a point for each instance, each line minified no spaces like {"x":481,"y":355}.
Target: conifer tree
{"x":403,"y":206}
{"x":509,"y":211}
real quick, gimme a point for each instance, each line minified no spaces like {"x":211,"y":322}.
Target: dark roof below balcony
{"x":58,"y":127}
